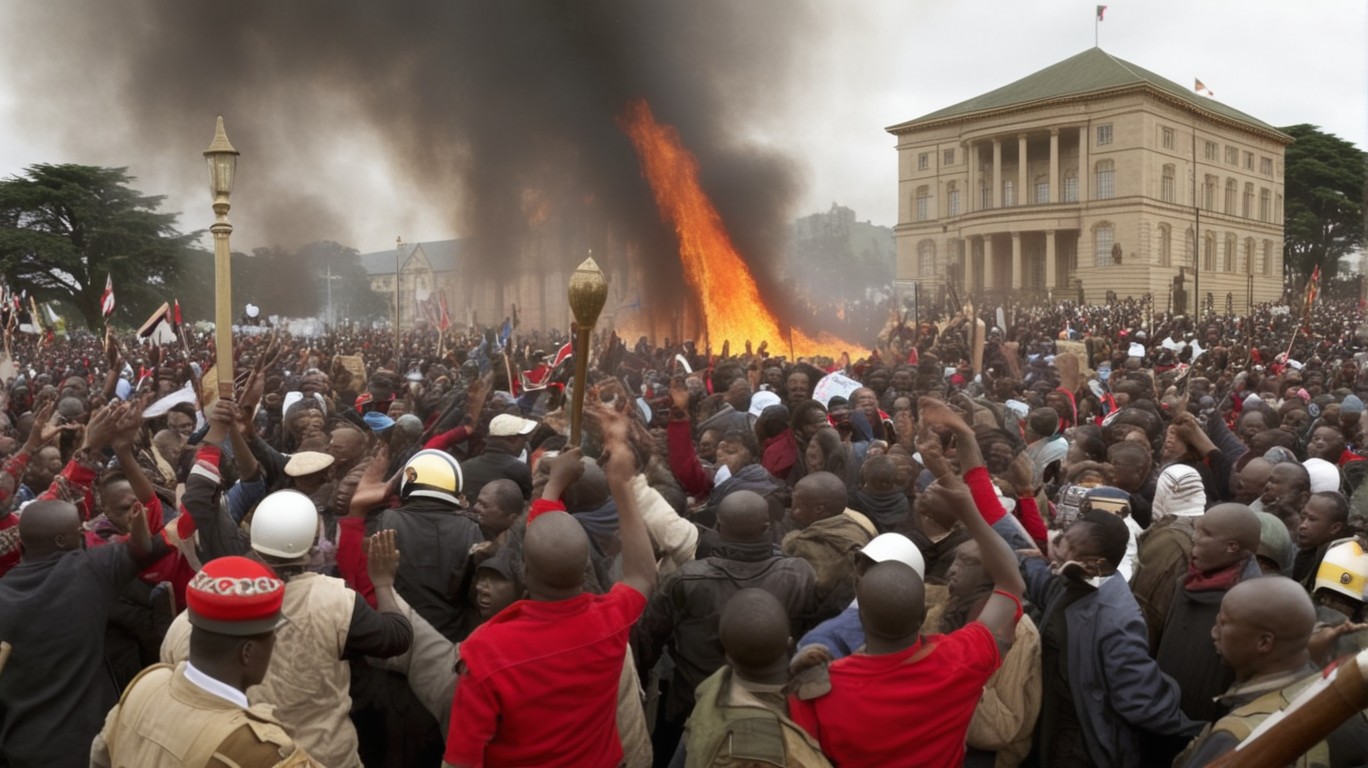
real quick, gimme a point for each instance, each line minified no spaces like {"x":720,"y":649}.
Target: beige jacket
{"x":308,"y":683}
{"x":164,"y":720}
{"x":673,"y":538}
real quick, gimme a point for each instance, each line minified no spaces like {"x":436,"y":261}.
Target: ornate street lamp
{"x":222,"y":160}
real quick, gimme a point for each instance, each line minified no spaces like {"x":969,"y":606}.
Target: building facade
{"x":1095,"y":178}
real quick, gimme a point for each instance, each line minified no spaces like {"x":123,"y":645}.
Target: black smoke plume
{"x":492,"y":109}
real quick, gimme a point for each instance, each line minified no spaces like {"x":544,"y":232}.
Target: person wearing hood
{"x":879,"y":497}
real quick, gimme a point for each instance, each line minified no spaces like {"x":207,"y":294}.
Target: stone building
{"x":1092,"y":175}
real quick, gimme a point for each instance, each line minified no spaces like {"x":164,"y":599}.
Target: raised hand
{"x":382,"y":559}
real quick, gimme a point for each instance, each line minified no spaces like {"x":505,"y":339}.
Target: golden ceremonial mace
{"x":588,"y":293}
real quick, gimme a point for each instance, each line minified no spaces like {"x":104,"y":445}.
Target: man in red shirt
{"x":907,"y":699}
{"x":538,"y":682}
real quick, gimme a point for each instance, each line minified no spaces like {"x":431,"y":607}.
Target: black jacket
{"x":435,"y":541}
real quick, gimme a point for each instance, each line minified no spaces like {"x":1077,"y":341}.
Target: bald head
{"x":818,"y":496}
{"x":1251,"y":478}
{"x":49,"y":527}
{"x":1235,"y":522}
{"x":555,"y":550}
{"x":892,"y":606}
{"x":742,"y":516}
{"x":754,"y":630}
{"x":1264,"y":625}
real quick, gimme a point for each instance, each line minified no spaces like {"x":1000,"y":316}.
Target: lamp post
{"x":222,"y":160}
{"x":588,"y":293}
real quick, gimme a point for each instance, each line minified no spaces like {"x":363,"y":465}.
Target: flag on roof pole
{"x":1101,"y":9}
{"x":1199,"y":86}
{"x":107,"y":299}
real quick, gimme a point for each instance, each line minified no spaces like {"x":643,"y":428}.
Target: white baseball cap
{"x":508,"y":425}
{"x":895,"y":546}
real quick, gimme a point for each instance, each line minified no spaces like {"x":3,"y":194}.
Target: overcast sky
{"x":867,"y":65}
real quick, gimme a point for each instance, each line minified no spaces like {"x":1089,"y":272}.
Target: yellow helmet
{"x":1344,"y":569}
{"x":432,"y":474}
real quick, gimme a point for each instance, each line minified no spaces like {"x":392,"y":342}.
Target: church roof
{"x":1093,"y":72}
{"x":443,"y":255}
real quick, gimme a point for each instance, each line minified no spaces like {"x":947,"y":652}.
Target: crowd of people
{"x":1048,"y":536}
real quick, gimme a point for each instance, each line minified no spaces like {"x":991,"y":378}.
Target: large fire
{"x":733,"y":309}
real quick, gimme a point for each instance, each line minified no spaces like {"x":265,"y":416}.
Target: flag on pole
{"x":1101,"y":9}
{"x":157,"y":328}
{"x":1199,"y":86}
{"x":1312,"y":289}
{"x":107,"y":300}
{"x":176,"y":316}
{"x":443,"y":314}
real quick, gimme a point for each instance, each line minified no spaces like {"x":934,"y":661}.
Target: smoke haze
{"x":491,"y":113}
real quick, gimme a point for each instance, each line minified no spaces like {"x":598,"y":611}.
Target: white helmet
{"x":285,"y":525}
{"x":432,"y":474}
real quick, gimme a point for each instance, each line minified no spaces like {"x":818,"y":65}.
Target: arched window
{"x":926,"y":259}
{"x":1247,"y":209}
{"x":1106,"y":180}
{"x":1267,"y":257}
{"x":1277,"y":209}
{"x":1231,"y":188}
{"x":1265,"y":205}
{"x":923,"y":203}
{"x":1228,"y":255}
{"x":1189,"y":249}
{"x":1165,"y":245}
{"x":1103,"y":240}
{"x":1209,"y":253}
{"x":1166,"y":185}
{"x":1248,"y":256}
{"x":952,"y":199}
{"x":1070,"y":186}
{"x":1209,"y":192}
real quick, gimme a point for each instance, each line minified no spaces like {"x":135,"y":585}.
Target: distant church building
{"x":1092,"y":175}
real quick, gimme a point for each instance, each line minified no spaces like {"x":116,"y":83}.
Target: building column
{"x":1016,"y":261}
{"x":1051,"y":274}
{"x":1021,"y":198}
{"x":971,"y":194}
{"x":988,"y":261}
{"x":997,"y":174}
{"x":968,"y":266}
{"x":1083,"y":163}
{"x":1054,"y":165}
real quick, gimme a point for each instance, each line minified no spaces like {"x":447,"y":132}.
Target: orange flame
{"x":733,"y":309}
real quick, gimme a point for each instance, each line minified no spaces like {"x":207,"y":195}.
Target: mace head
{"x":588,"y":293}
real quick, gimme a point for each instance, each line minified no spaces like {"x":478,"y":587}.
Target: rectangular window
{"x":1249,"y":161}
{"x":1008,"y":193}
{"x":1071,"y":189}
{"x":923,"y":161}
{"x":1167,"y":135}
{"x":1104,"y":135}
{"x":952,"y":202}
{"x":1042,"y":192}
{"x":923,"y":204}
{"x":1166,"y":190}
{"x":1103,"y":256}
{"x":948,"y":157}
{"x":1210,"y":151}
{"x":1266,"y":166}
{"x":1232,"y":156}
{"x":1105,"y":184}
{"x":985,"y":197}
{"x":1265,"y":206}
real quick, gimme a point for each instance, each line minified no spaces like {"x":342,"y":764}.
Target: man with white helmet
{"x":308,"y":682}
{"x":1339,"y":596}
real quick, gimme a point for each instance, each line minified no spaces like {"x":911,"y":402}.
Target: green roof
{"x":1093,"y":71}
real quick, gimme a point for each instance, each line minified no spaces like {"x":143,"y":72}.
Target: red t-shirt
{"x":896,"y":710}
{"x":540,"y":683}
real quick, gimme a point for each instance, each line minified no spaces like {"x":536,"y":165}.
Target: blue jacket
{"x":1117,"y":688}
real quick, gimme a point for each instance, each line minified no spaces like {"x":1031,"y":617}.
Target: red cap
{"x":235,"y":596}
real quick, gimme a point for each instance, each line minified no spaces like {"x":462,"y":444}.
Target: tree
{"x":1323,"y":215}
{"x":64,"y":228}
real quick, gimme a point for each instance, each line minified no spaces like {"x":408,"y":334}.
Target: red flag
{"x":177,"y":317}
{"x":107,"y":300}
{"x":443,"y":316}
{"x":1101,"y":9}
{"x":1312,"y":288}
